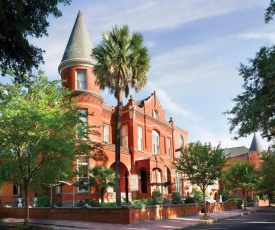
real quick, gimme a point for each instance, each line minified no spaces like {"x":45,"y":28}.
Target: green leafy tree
{"x":241,"y":175}
{"x":267,"y":174}
{"x":38,"y":143}
{"x":122,"y":63}
{"x":255,"y":107}
{"x":102,"y":177}
{"x":270,"y":11}
{"x":19,"y":21}
{"x":201,"y":164}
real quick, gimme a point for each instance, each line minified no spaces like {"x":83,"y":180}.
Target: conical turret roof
{"x":256,"y":145}
{"x":79,"y":46}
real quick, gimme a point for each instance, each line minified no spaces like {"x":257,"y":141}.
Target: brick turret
{"x":76,"y":71}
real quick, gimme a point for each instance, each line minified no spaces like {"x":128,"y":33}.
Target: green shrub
{"x":92,"y":203}
{"x":257,"y":198}
{"x":28,"y":227}
{"x":225,"y":195}
{"x":141,"y":202}
{"x":80,"y":203}
{"x":157,"y":197}
{"x":43,"y":201}
{"x":137,"y":203}
{"x":197,"y":194}
{"x":249,"y":204}
{"x":147,"y":201}
{"x":190,"y":200}
{"x":239,"y":200}
{"x":110,"y":204}
{"x":176,"y":198}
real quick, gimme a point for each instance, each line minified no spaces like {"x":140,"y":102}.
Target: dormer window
{"x":81,"y":79}
{"x":155,"y":114}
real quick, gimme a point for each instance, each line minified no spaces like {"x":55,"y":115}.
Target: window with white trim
{"x":83,"y":174}
{"x":16,"y":190}
{"x":57,"y":189}
{"x":124,"y":135}
{"x":106,"y":133}
{"x":155,"y":142}
{"x":178,"y":182}
{"x":168,"y":147}
{"x":81,"y":79}
{"x":139,"y":129}
{"x":181,"y":142}
{"x":165,"y":177}
{"x":157,"y":178}
{"x":155,"y":114}
{"x":82,"y":125}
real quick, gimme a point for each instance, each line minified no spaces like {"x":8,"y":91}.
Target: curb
{"x":191,"y":226}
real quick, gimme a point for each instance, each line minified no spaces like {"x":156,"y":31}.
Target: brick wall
{"x":219,"y":207}
{"x":123,"y":215}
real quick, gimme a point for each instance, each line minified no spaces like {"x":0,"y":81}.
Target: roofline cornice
{"x":75,"y":62}
{"x":87,"y":92}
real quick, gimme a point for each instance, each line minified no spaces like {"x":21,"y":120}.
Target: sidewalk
{"x":177,"y":223}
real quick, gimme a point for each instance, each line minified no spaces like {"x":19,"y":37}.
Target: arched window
{"x":155,"y":114}
{"x":181,"y":142}
{"x":165,"y":177}
{"x":155,"y":142}
{"x":156,"y":178}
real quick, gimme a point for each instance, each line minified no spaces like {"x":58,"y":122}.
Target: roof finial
{"x":79,"y":13}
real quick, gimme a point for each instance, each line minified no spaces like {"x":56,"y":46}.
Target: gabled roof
{"x":236,"y":151}
{"x":256,"y":145}
{"x":80,"y":44}
{"x":140,"y":103}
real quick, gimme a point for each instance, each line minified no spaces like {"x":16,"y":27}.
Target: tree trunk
{"x":204,"y":202}
{"x":269,"y":197}
{"x":117,"y":143}
{"x":27,"y":213}
{"x":244,"y":200}
{"x":102,"y":194}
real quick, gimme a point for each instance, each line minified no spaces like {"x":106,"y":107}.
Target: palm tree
{"x":122,"y":63}
{"x":102,"y":177}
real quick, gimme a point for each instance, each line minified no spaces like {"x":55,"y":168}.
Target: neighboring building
{"x":244,"y":154}
{"x":148,"y":140}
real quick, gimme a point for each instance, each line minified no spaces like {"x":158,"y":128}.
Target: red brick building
{"x":148,"y":140}
{"x":244,"y":154}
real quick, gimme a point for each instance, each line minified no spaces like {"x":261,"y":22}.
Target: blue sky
{"x":196,"y":47}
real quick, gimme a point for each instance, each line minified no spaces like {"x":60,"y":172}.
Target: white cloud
{"x":257,"y":36}
{"x":158,"y":15}
{"x":168,"y":103}
{"x":191,"y":78}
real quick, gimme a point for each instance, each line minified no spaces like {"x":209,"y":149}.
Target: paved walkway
{"x":177,"y":223}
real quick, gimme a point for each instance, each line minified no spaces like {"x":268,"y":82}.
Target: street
{"x":264,"y":219}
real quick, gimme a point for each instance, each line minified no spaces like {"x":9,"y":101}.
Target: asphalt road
{"x":263,"y":219}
